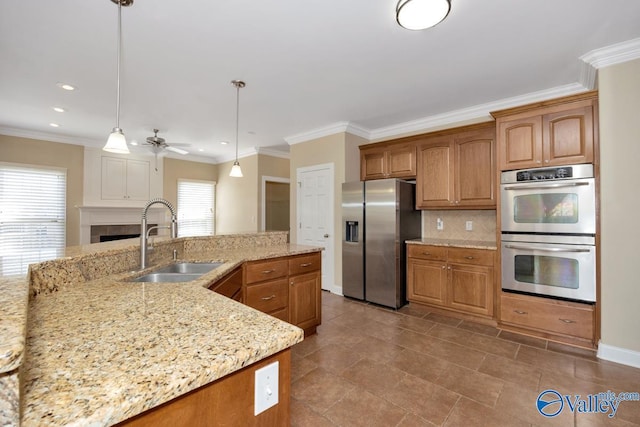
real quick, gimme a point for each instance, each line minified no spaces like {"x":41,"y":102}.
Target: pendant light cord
{"x":118,"y":79}
{"x":237,"y":117}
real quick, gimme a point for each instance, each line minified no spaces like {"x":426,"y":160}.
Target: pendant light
{"x":235,"y":169}
{"x":421,"y":14}
{"x":116,"y":143}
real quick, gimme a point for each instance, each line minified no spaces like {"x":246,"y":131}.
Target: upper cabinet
{"x":457,"y":169}
{"x":562,"y":131}
{"x":120,"y":180}
{"x":381,"y":161}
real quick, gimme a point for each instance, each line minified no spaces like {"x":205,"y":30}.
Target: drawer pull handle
{"x":268,"y":298}
{"x":520,"y":312}
{"x":567,"y":320}
{"x":469,"y":257}
{"x":426,"y":253}
{"x":306,"y":264}
{"x":267,"y":271}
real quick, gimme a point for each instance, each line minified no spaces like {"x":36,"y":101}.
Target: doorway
{"x":275,"y":204}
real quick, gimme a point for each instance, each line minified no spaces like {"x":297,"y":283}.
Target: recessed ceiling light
{"x":200,"y":149}
{"x":59,"y":109}
{"x":223,"y":142}
{"x":65,"y":86}
{"x":54,"y":125}
{"x":133,"y":143}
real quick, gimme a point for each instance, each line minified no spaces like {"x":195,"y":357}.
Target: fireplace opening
{"x":108,"y":233}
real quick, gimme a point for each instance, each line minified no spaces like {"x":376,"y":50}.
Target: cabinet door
{"x":401,"y":162}
{"x":373,"y":164}
{"x":475,"y":170}
{"x":434,"y":184}
{"x":568,"y":137}
{"x":304,"y":300}
{"x":268,"y":297}
{"x":426,"y":281}
{"x":471,"y":288}
{"x":137,"y":187}
{"x":114,"y":176}
{"x":520,"y":143}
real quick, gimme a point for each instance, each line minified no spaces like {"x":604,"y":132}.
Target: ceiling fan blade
{"x":176,"y":150}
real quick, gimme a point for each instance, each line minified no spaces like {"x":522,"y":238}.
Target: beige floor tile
{"x":523,"y":339}
{"x":301,"y":367}
{"x":423,"y":398}
{"x":320,"y":389}
{"x":416,"y":324}
{"x":420,"y":365}
{"x":520,"y":373}
{"x":373,"y":376}
{"x":467,"y":413}
{"x":361,"y":408}
{"x":572,"y":351}
{"x":303,"y":416}
{"x":450,"y":333}
{"x":479,"y":328}
{"x":458,"y":354}
{"x":376,"y":349}
{"x":414,"y":310}
{"x":412,"y":420}
{"x":520,"y":402}
{"x":441,"y":318}
{"x":475,"y":385}
{"x":306,"y":347}
{"x":493,"y":345}
{"x":609,"y":374}
{"x":547,"y":360}
{"x":334,"y":358}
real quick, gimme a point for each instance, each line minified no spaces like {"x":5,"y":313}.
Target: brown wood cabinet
{"x":551,"y":133}
{"x":553,"y":319}
{"x":457,"y":279}
{"x":457,"y":169}
{"x":288,"y":288}
{"x":230,"y":285}
{"x":379,"y":161}
{"x":225,"y":402}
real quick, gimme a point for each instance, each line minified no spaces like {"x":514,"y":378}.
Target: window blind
{"x":196,"y":207}
{"x":32,"y":216}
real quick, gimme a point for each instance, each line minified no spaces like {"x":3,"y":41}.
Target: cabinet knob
{"x":546,"y":161}
{"x":538,"y":161}
{"x":443,"y":267}
{"x":567,"y":320}
{"x":292,"y":283}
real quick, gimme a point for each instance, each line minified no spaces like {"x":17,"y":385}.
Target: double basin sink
{"x":178,"y":272}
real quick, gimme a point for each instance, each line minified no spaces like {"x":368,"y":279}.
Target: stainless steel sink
{"x":178,"y":272}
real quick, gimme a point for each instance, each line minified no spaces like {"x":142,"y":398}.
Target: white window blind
{"x":32,"y":216}
{"x":196,"y":207}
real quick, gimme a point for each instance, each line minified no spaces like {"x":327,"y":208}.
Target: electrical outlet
{"x":469,"y":226}
{"x":266,"y":388}
{"x":439,"y":224}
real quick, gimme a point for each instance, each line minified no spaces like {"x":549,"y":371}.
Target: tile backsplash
{"x":454,"y":224}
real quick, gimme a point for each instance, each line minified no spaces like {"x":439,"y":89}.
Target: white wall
{"x":619,"y":88}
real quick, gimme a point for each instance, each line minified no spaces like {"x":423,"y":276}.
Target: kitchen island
{"x":100,"y":349}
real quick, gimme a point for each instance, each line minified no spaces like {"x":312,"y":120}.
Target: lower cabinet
{"x":566,"y":321}
{"x":288,"y":288}
{"x":456,"y":279}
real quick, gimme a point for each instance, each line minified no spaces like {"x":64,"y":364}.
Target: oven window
{"x":547,"y":270}
{"x":554,"y":208}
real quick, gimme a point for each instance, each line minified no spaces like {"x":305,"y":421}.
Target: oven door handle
{"x":545,"y":186}
{"x":529,"y":248}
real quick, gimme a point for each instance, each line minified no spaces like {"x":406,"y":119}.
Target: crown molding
{"x":476,"y":112}
{"x":273,"y":153}
{"x":332,"y":129}
{"x":614,"y":54}
{"x":52,"y":137}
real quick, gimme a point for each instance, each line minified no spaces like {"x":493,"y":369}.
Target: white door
{"x":315,"y":215}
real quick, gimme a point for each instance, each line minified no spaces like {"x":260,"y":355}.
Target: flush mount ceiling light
{"x":116,"y":143}
{"x":235,"y":169}
{"x":421,"y":14}
{"x":58,"y":109}
{"x":65,"y":86}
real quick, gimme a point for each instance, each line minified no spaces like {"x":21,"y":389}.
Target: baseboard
{"x":335,"y":289}
{"x":619,"y":355}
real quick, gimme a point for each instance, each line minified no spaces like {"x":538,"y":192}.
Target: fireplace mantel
{"x":109,"y":215}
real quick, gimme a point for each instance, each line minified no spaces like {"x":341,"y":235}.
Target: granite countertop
{"x":472,"y":244}
{"x":109,"y":349}
{"x":13,"y":309}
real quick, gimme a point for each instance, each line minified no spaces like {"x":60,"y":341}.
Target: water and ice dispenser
{"x":351,"y":231}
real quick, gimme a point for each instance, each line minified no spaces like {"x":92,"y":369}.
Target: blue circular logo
{"x":549,"y":403}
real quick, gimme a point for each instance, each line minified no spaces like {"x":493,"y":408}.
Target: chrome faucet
{"x":144,"y":233}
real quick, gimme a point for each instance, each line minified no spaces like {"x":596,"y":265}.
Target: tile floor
{"x":369,"y":366}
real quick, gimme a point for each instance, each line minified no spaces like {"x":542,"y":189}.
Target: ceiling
{"x":310,"y":67}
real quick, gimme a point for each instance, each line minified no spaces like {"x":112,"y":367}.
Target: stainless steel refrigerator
{"x":377,"y":217}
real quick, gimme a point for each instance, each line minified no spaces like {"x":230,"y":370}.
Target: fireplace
{"x":101,"y":224}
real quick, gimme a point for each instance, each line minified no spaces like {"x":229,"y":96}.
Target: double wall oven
{"x":548,"y":226}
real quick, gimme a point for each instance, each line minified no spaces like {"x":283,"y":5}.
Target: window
{"x":32,"y":216}
{"x":196,"y":207}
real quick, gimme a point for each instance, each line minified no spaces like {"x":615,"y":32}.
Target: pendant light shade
{"x":421,"y":14}
{"x":235,"y":169}
{"x":117,"y":143}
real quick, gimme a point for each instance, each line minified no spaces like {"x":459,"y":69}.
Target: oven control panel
{"x":547,"y":174}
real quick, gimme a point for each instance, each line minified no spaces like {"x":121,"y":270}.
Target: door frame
{"x":263,"y":201}
{"x":331,"y":268}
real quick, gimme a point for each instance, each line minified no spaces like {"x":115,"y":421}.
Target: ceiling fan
{"x":158,"y":145}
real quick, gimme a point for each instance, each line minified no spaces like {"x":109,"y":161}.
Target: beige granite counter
{"x":473,"y":244}
{"x":100,"y":349}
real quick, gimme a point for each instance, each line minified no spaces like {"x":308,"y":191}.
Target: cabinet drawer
{"x":471,"y":256}
{"x":268,"y":297}
{"x":267,"y":270}
{"x":304,"y":264}
{"x":551,"y":316}
{"x":436,"y":253}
